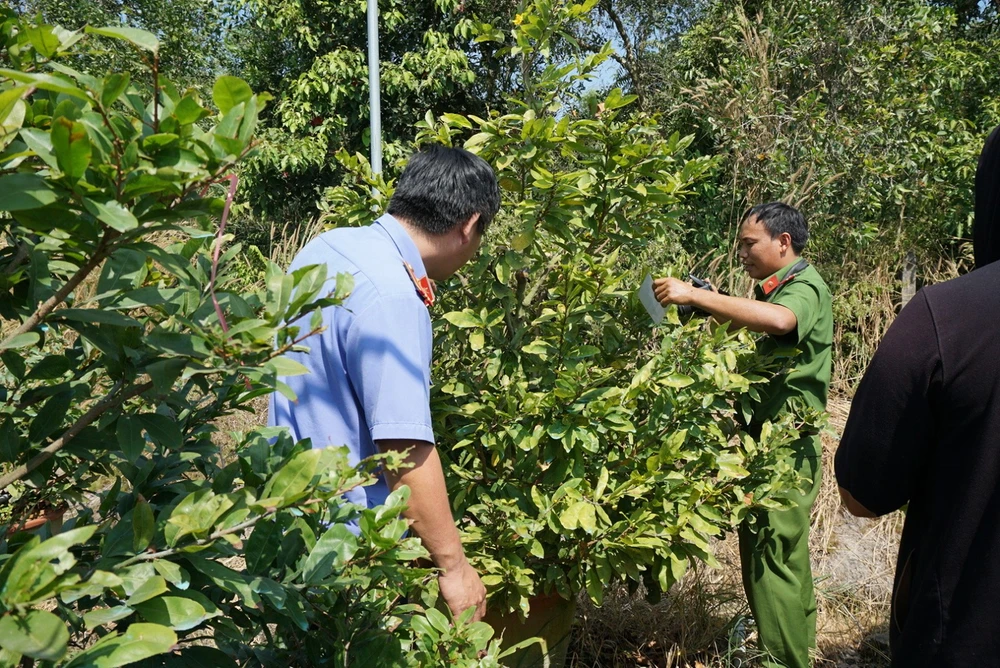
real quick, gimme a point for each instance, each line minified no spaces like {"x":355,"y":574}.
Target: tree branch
{"x":104,"y":249}
{"x":95,"y":412}
{"x":632,"y":66}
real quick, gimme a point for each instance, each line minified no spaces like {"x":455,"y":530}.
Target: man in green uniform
{"x":793,"y":307}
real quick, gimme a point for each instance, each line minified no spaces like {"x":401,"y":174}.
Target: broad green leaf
{"x":165,"y":372}
{"x":51,"y":82}
{"x":36,"y":633}
{"x":538,"y":347}
{"x":477,"y":139}
{"x":20,"y":341}
{"x":53,"y":547}
{"x":595,"y":588}
{"x":38,"y":563}
{"x":154,"y":143}
{"x":181,"y":614}
{"x":140,"y":641}
{"x":71,"y":145}
{"x":227,"y":578}
{"x":172,"y":573}
{"x":111,"y":213}
{"x":477,"y":340}
{"x":92,"y":315}
{"x":102,"y":616}
{"x":677,"y":380}
{"x":40,"y":142}
{"x":438,"y":620}
{"x":457,"y":119}
{"x":140,"y":38}
{"x":22,"y":192}
{"x":230,"y":91}
{"x":463,"y":319}
{"x":124,"y":270}
{"x":50,"y":367}
{"x":602,"y":484}
{"x":285,"y":366}
{"x":95,"y":585}
{"x":50,"y":418}
{"x":332,"y":551}
{"x":130,"y":439}
{"x":731,"y":466}
{"x":424,"y":628}
{"x":10,"y":442}
{"x":12,"y":109}
{"x":15,"y":363}
{"x":294,"y":477}
{"x":189,"y":111}
{"x":143,"y":526}
{"x":579,"y":514}
{"x":164,"y":431}
{"x":43,"y":39}
{"x":151,"y":588}
{"x":263,"y":545}
{"x":114,"y":85}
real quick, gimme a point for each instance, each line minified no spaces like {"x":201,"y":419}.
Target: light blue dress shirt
{"x":369,"y":370}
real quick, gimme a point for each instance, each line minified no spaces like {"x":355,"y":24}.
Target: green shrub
{"x":123,"y":342}
{"x":584,"y":445}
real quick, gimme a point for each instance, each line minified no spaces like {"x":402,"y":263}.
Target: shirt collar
{"x":392,"y":228}
{"x":763,"y":291}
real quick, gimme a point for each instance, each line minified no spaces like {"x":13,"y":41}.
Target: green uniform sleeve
{"x":803,"y":299}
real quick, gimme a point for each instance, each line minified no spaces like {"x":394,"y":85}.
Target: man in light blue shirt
{"x":369,"y":381}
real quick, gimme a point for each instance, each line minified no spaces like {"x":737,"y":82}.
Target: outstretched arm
{"x":754,"y":315}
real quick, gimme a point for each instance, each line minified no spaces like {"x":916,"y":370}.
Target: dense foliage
{"x":123,"y":344}
{"x":585,"y":446}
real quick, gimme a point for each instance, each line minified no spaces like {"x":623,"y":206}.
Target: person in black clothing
{"x":924,"y":430}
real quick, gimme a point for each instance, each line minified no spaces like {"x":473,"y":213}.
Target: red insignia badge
{"x":424,"y":286}
{"x":770,"y":285}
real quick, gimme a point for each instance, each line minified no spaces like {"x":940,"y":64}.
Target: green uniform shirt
{"x":808,"y":297}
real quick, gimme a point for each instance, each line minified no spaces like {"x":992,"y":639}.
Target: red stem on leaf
{"x":233,"y":179}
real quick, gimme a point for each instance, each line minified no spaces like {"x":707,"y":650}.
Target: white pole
{"x":374,"y":83}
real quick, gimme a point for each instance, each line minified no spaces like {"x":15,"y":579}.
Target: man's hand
{"x":672,"y":291}
{"x":429,"y":513}
{"x":462,"y":589}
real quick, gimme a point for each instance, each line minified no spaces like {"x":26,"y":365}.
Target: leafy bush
{"x":584,"y":446}
{"x":122,"y":344}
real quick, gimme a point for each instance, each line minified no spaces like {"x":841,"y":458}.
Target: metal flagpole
{"x":374,"y":92}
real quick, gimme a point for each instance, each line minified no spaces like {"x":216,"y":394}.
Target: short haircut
{"x":442,"y":187}
{"x":779,"y":218}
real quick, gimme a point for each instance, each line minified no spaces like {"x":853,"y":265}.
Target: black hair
{"x":986,"y":229}
{"x":779,"y":218}
{"x":442,"y":187}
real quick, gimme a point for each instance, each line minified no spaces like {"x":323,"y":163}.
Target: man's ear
{"x":468,"y":228}
{"x":785,"y":239}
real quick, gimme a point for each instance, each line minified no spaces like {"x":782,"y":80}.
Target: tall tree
{"x":312,"y":57}
{"x":192,"y":50}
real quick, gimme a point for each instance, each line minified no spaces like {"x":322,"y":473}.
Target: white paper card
{"x":648,"y":300}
